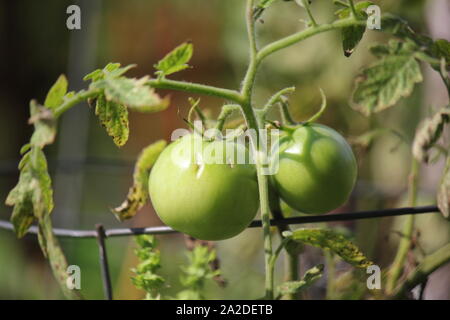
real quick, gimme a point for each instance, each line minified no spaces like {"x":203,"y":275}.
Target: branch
{"x":306,"y":33}
{"x":423,"y":270}
{"x":227,"y":94}
{"x":76,"y":99}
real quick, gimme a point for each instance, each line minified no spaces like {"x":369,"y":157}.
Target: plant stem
{"x":286,"y":116}
{"x":425,"y":268}
{"x":253,"y":123}
{"x":331,"y":268}
{"x":405,"y":243}
{"x":306,"y":33}
{"x":308,"y":11}
{"x":76,"y":99}
{"x":227,"y":94}
{"x":353,"y":9}
{"x":292,"y":257}
{"x":249,"y":79}
{"x":292,"y":262}
{"x":226,"y":111}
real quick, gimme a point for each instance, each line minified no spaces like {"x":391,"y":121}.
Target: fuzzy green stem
{"x":304,"y":34}
{"x":396,"y":269}
{"x":331,"y":273}
{"x":253,"y":123}
{"x":353,"y":9}
{"x":226,"y":111}
{"x":276,"y":98}
{"x":420,"y":274}
{"x":308,"y":11}
{"x":286,"y":116}
{"x":76,"y":99}
{"x":292,"y":255}
{"x":227,"y":94}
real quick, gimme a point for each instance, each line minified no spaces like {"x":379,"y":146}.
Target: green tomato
{"x":209,"y":200}
{"x":317,"y":169}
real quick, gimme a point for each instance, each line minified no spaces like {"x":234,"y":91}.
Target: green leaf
{"x":58,"y":262}
{"x":443,"y":196}
{"x":44,"y":125}
{"x":56,"y":93}
{"x":138,"y":194}
{"x":351,"y":36}
{"x":198,"y":271}
{"x":176,"y":60}
{"x":146,"y":276}
{"x":112,"y":70}
{"x":114,"y":117}
{"x":333,"y":241}
{"x":441,"y":50}
{"x":132,"y":93}
{"x":293,"y":287}
{"x":392,"y":77}
{"x":400,"y":28}
{"x":429,"y":133}
{"x":32,"y":197}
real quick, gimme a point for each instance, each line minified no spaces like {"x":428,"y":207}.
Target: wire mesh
{"x":101,"y":234}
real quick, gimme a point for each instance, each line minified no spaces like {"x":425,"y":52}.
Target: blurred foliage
{"x":142,"y":32}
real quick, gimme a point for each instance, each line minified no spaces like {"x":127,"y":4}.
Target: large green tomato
{"x":209,"y":200}
{"x":317,"y":169}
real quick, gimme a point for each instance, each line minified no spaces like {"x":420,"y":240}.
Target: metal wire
{"x":120,"y":232}
{"x":101,"y":234}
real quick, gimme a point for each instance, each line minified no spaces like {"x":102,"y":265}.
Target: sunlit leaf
{"x":333,"y":241}
{"x":138,"y":194}
{"x":293,"y":287}
{"x":131,"y":93}
{"x":112,"y":70}
{"x":176,"y":60}
{"x":56,"y":93}
{"x":383,"y":84}
{"x":114,"y":117}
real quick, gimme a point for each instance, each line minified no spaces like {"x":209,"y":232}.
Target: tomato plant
{"x":209,"y":200}
{"x":317,"y":169}
{"x":214,"y":201}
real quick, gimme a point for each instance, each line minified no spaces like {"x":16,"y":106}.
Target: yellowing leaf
{"x":131,"y":93}
{"x":114,"y":117}
{"x":138,"y":193}
{"x":429,"y":133}
{"x":32,"y":197}
{"x":44,"y":125}
{"x":384,"y":83}
{"x":293,"y":287}
{"x":333,"y":241}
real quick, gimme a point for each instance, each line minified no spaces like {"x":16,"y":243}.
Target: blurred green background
{"x":91,"y":175}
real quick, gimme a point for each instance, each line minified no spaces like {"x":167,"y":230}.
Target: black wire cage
{"x":102,"y":234}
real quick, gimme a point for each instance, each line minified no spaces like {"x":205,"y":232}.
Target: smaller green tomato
{"x":317,"y":169}
{"x":197,"y":195}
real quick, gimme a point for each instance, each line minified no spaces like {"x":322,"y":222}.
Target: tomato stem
{"x":405,"y":243}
